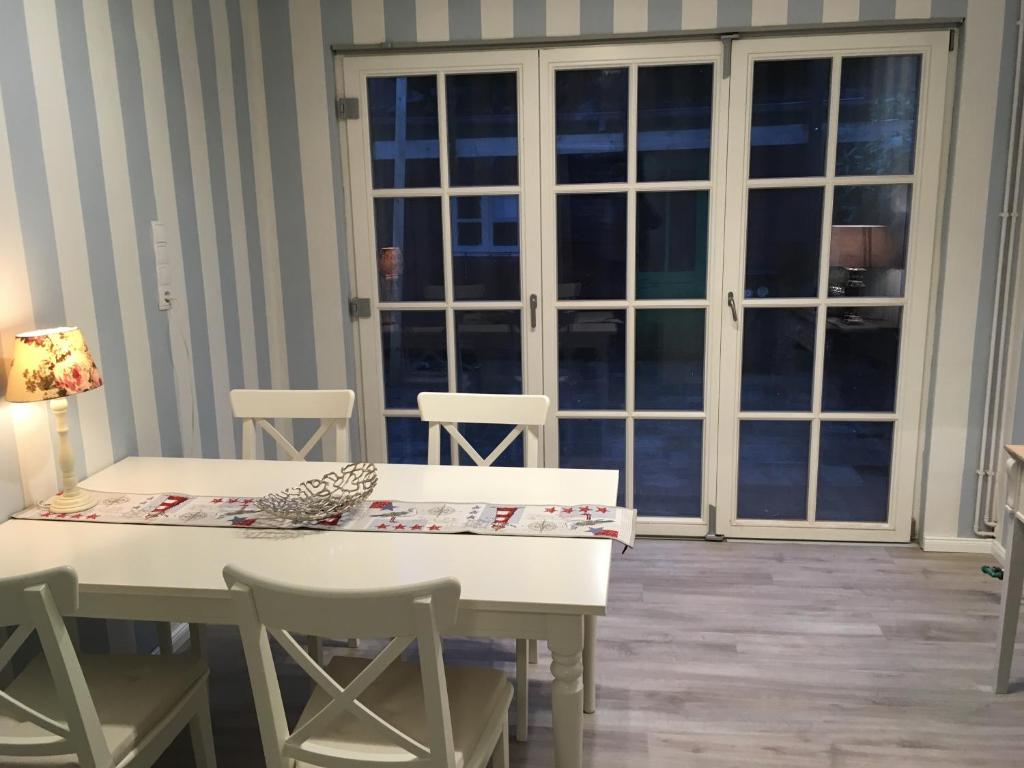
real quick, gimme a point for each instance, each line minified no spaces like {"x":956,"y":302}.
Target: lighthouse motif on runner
{"x":498,"y":517}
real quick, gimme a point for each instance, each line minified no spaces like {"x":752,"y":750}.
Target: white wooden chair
{"x":257,"y":406}
{"x":526,"y":415}
{"x":332,"y":406}
{"x":91,"y":711}
{"x":370,"y":712}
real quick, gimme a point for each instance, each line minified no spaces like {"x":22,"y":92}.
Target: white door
{"x":835,"y":147}
{"x":632,"y":177}
{"x":720,"y":275}
{"x":445,"y":222}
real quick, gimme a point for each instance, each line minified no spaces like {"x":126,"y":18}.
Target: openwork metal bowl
{"x":321,"y":498}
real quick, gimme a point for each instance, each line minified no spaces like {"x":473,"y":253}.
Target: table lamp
{"x":50,"y":365}
{"x":856,"y":248}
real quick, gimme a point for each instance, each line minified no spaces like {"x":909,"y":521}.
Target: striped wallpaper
{"x":213,"y":116}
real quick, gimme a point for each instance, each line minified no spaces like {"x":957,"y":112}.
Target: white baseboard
{"x":998,"y":551}
{"x":971,"y":545}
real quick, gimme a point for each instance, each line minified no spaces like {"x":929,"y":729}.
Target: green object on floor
{"x":993,"y":570}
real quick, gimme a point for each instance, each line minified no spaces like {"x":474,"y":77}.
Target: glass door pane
{"x":819,"y":341}
{"x":446,"y":237}
{"x":629,"y":166}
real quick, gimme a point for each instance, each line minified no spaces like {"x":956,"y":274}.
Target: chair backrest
{"x":444,"y":410}
{"x":37,"y":602}
{"x":332,"y":406}
{"x":419,"y":612}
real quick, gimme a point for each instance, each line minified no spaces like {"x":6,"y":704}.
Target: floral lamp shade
{"x":49,"y":364}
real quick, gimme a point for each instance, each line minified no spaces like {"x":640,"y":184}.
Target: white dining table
{"x":512,"y":586}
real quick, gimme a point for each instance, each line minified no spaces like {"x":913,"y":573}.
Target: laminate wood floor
{"x":752,"y":654}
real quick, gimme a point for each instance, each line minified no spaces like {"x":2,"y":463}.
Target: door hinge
{"x":727,"y":54}
{"x":346,"y":109}
{"x":952,"y":39}
{"x":358,"y":308}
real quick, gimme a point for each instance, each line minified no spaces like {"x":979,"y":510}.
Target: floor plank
{"x":753,"y":654}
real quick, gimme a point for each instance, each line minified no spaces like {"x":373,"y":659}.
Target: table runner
{"x":393,"y":516}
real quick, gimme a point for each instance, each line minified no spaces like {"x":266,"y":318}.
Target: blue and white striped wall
{"x":213,"y":116}
{"x":114,"y":113}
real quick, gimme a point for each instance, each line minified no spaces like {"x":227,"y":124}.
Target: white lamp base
{"x":73,"y":498}
{"x":75,"y":501}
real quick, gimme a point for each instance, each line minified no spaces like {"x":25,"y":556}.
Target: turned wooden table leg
{"x":565,"y":640}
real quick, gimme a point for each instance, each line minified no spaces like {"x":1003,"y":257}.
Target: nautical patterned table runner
{"x":578,"y":521}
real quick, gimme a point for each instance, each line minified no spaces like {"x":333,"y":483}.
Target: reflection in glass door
{"x":833,"y":184}
{"x":443,"y":236}
{"x":631,"y":169}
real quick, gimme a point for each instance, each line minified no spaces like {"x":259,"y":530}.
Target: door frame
{"x":917,"y":309}
{"x":353,"y":72}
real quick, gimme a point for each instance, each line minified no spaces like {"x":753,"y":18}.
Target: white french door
{"x":445,"y":208}
{"x":721,"y":279}
{"x":835,"y":148}
{"x":632,"y":176}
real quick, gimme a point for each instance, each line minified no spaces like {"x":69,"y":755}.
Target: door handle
{"x":732,"y":305}
{"x":533,"y":311}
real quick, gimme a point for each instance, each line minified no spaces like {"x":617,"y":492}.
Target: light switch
{"x":161,"y":252}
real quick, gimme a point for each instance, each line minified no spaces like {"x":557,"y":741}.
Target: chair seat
{"x":132,"y":694}
{"x":478,"y":698}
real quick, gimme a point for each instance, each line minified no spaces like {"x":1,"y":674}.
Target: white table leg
{"x":197,"y":642}
{"x":589,"y":654}
{"x":165,"y":638}
{"x":565,"y":640}
{"x":1013,"y":580}
{"x":121,"y":637}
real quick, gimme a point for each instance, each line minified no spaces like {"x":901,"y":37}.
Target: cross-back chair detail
{"x":35,"y":602}
{"x":258,"y":406}
{"x":417,"y":613}
{"x":75,"y":721}
{"x":525,"y":414}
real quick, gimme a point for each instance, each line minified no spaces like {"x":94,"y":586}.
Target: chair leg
{"x":500,"y":757}
{"x":164,"y":638}
{"x":72,"y":625}
{"x":522,"y":691}
{"x":316,"y":649}
{"x":533,"y":651}
{"x":201,"y":731}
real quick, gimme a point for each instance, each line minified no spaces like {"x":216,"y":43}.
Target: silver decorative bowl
{"x":320,"y":498}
